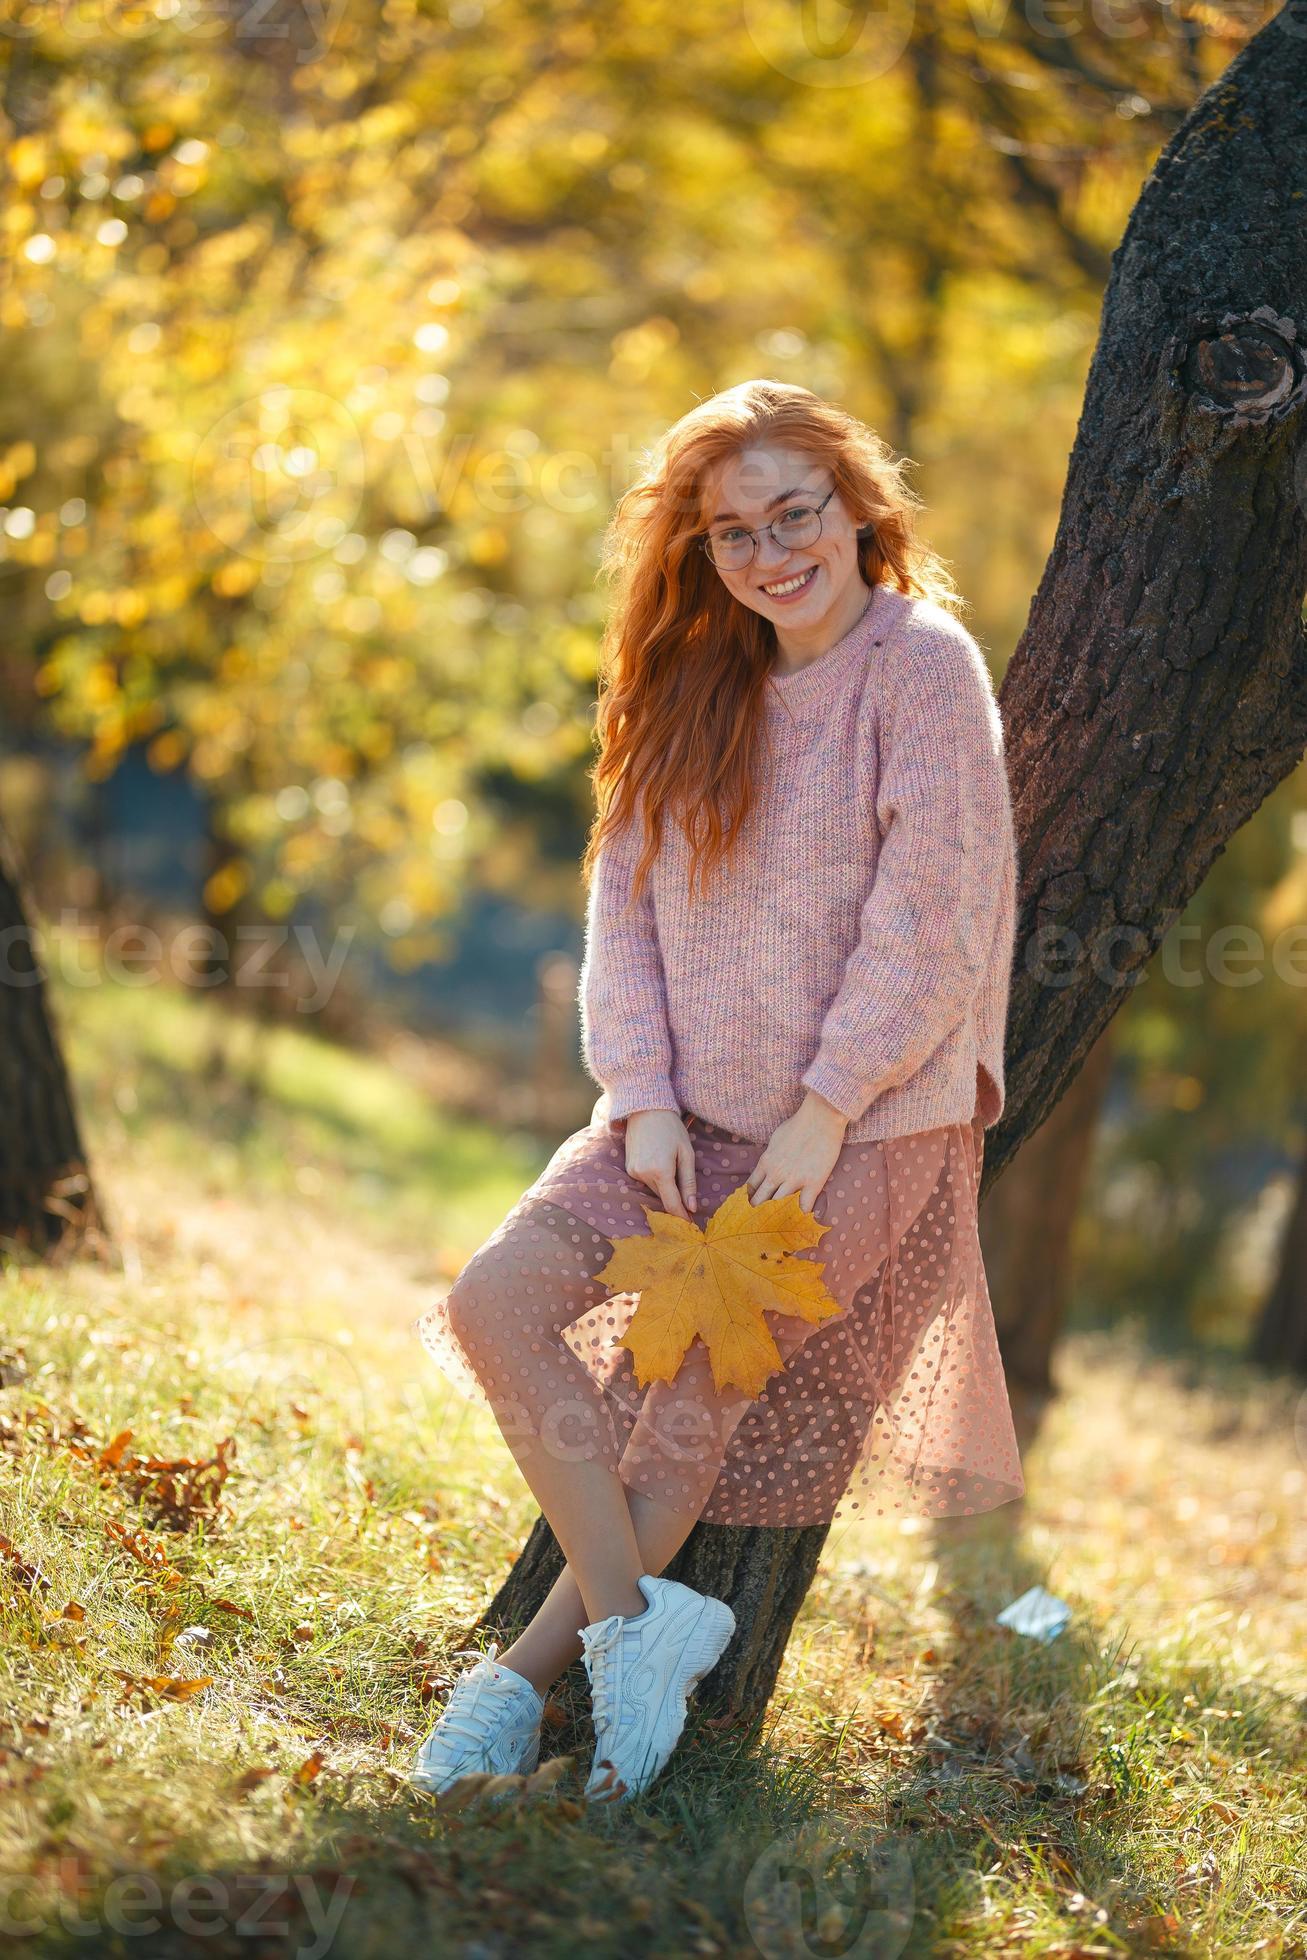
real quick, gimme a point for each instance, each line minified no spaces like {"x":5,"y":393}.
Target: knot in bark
{"x":1246,"y":367}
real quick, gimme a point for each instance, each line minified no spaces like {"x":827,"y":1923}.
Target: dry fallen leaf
{"x":169,"y":1687}
{"x":153,"y":1557}
{"x":178,"y":1688}
{"x":490,"y":1786}
{"x":716,"y":1283}
{"x":112,"y":1455}
{"x":29,"y":1577}
{"x":1159,"y":1929}
{"x":547,"y":1776}
{"x":1224,"y":1812}
{"x":476,"y":1784}
{"x":609,"y":1788}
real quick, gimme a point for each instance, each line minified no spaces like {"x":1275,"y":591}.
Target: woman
{"x":798,"y":951}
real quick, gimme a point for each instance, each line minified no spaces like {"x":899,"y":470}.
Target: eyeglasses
{"x":733,"y":548}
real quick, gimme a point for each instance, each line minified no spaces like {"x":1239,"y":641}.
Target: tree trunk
{"x":1281,"y":1337}
{"x":1159,"y":691}
{"x":765,"y":1575}
{"x":47,"y":1200}
{"x":1026,"y":1224}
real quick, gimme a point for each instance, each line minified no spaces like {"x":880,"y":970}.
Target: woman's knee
{"x":520,"y":1286}
{"x":482,"y":1300}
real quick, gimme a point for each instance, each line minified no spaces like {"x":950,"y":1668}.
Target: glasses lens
{"x":798,"y":526}
{"x":730,"y":549}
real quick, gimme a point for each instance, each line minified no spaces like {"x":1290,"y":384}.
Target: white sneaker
{"x":642,"y":1672}
{"x":490,"y":1723}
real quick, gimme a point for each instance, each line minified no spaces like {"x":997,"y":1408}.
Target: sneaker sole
{"x":433,"y":1786}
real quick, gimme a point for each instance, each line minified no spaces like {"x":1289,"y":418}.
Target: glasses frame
{"x":706,"y":539}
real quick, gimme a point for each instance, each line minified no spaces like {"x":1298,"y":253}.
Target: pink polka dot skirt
{"x":897,"y":1405}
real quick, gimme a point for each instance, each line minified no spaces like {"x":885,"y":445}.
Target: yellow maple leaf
{"x":717,"y":1282}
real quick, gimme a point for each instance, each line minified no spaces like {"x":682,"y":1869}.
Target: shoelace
{"x":464,"y":1716}
{"x":603,"y":1649}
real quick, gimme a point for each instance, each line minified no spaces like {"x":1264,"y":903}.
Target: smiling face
{"x":811,"y":593}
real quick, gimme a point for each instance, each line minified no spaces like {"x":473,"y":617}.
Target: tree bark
{"x":1026,"y":1224}
{"x":1281,"y":1337}
{"x":1159,"y":691}
{"x":47,"y":1200}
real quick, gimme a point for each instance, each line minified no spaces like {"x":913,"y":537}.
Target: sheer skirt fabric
{"x":897,"y":1405}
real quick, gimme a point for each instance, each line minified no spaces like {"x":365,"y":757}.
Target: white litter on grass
{"x":1038,"y":1613}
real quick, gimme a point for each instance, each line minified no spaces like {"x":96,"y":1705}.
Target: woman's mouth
{"x":791,"y":587}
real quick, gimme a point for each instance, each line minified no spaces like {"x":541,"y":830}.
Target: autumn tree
{"x":47,"y":1200}
{"x":1280,"y":1340}
{"x":327,"y":361}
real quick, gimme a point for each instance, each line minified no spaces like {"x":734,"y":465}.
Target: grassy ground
{"x":212,"y":1680}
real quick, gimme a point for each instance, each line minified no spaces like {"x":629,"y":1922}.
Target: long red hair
{"x":683,"y":665}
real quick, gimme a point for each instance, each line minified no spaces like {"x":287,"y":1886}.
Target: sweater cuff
{"x":850,"y":1097}
{"x":652,"y":1092}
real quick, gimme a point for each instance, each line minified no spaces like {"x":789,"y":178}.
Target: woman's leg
{"x":675,"y":1447}
{"x":548,"y":1645}
{"x":507,"y":1309}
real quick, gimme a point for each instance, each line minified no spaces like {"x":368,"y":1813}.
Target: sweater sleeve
{"x":625,"y":1035}
{"x":944,"y":812}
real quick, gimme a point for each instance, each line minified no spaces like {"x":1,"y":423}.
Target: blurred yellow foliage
{"x":326,"y":366}
{"x":225,"y":887}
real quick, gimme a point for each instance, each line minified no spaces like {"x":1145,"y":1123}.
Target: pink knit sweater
{"x":860,"y":942}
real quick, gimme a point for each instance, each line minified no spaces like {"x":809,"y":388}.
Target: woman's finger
{"x":670,"y":1196}
{"x":685,"y":1161}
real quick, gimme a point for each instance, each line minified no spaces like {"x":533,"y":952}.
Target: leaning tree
{"x":48,"y":1203}
{"x":1159,"y":690}
{"x":1280,"y":1338}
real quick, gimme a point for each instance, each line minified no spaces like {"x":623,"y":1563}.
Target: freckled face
{"x":800,"y":589}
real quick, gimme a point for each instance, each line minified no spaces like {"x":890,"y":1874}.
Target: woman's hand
{"x":801,"y":1153}
{"x":659,"y":1152}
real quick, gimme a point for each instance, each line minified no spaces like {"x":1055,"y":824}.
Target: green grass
{"x":269,"y":1108}
{"x":943,"y":1786}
